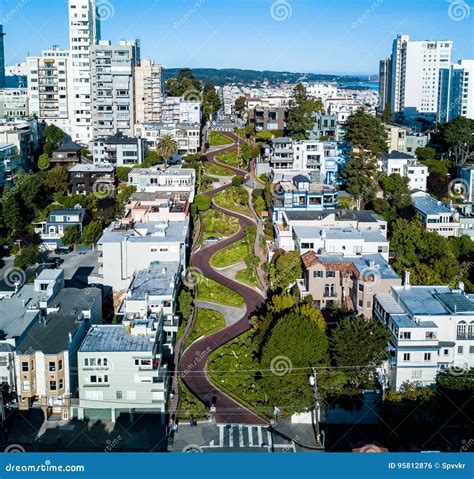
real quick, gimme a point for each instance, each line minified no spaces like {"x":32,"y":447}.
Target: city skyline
{"x":354,"y":43}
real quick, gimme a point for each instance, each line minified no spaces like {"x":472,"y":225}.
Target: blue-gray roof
{"x":114,"y":338}
{"x":428,"y":206}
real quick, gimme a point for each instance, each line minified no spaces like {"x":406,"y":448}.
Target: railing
{"x":465,"y":336}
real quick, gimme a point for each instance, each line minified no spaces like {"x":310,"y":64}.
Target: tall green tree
{"x":167,"y":146}
{"x":458,"y":134}
{"x":366,"y":132}
{"x":285,"y":269}
{"x":211,"y":101}
{"x":387,"y":113}
{"x":71,"y":235}
{"x":184,"y":82}
{"x":301,"y":114}
{"x":53,"y":134}
{"x":240,"y":106}
{"x":359,"y":172}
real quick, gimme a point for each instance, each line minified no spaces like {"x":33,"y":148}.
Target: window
{"x":24,"y":366}
{"x":460,"y":349}
{"x":446,"y":352}
{"x":471,"y":349}
{"x":361,"y":287}
{"x":461,"y":329}
{"x":405,"y":335}
{"x":93,"y":379}
{"x":61,"y":383}
{"x":317,"y":274}
{"x":330,"y":274}
{"x":52,"y":385}
{"x":416,"y":373}
{"x":26,"y":385}
{"x":430,"y":335}
{"x":427,"y":356}
{"x":406,"y":356}
{"x":118,"y":395}
{"x":52,"y":367}
{"x":60,"y":364}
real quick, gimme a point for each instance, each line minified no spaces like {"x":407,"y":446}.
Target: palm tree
{"x":167,"y":146}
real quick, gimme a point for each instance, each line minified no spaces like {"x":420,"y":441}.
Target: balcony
{"x":465,"y":336}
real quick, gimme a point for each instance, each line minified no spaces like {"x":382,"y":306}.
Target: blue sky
{"x":334,"y":36}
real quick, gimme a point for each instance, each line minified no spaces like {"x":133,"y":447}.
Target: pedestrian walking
{"x":191,"y":421}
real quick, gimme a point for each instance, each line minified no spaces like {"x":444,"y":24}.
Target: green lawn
{"x":218,"y":224}
{"x":207,"y":322}
{"x":235,"y":199}
{"x":235,"y":253}
{"x":248,"y":277}
{"x":232,"y":368}
{"x":232,"y":158}
{"x":209,"y":290}
{"x":218,"y":170}
{"x":216,"y":138}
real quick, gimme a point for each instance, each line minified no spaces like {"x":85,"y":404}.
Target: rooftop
{"x":157,"y":280}
{"x":155,"y":170}
{"x":427,"y":205}
{"x":114,"y":338}
{"x":397,"y":155}
{"x":314,"y":232}
{"x":364,"y":216}
{"x":70,"y":146}
{"x":117,"y":139}
{"x":88,"y":167}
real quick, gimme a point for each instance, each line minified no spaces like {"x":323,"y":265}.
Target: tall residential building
{"x":112,"y":69}
{"x":456,"y":91}
{"x":48,"y":87}
{"x":2,"y":59}
{"x":149,"y":92}
{"x":385,"y":84}
{"x":415,"y":75}
{"x":84,"y":31}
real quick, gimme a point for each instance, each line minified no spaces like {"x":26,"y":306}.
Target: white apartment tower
{"x":84,"y":31}
{"x":415,"y":75}
{"x":149,"y":92}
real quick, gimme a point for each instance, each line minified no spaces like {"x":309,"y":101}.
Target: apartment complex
{"x":175,"y":109}
{"x":149,"y":92}
{"x":14,"y":103}
{"x":415,"y":75}
{"x":407,"y":167}
{"x":352,"y":281}
{"x":431,"y":329}
{"x":10,"y":162}
{"x":119,"y":150}
{"x":24,"y":134}
{"x":404,"y":140}
{"x":86,"y":178}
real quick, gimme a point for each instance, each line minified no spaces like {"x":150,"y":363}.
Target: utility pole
{"x":313,"y":380}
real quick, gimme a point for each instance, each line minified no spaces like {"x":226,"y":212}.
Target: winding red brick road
{"x":193,"y":363}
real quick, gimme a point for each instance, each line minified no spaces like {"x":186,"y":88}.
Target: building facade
{"x":14,"y":103}
{"x":149,"y":92}
{"x":86,"y":178}
{"x":407,"y":167}
{"x":119,"y":150}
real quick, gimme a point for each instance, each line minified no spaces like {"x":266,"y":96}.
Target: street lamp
{"x":313,"y":381}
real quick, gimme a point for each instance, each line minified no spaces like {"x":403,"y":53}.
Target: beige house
{"x":346,"y":280}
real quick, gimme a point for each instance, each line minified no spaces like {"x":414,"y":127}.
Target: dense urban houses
{"x":127,"y":246}
{"x":119,"y":150}
{"x":406,"y":166}
{"x":268,"y":118}
{"x":435,"y":215}
{"x":14,"y":103}
{"x":352,"y":281}
{"x":186,"y":135}
{"x":328,"y":218}
{"x":301,"y":192}
{"x":87,"y":178}
{"x":68,"y":154}
{"x":52,"y":230}
{"x":46,"y":359}
{"x":10,"y":162}
{"x":405,"y":140}
{"x":175,"y":109}
{"x":431,"y":329}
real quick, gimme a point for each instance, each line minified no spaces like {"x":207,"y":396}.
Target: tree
{"x":167,"y":146}
{"x":237,"y":180}
{"x":185,"y":82}
{"x":12,"y":211}
{"x":295,"y":344}
{"x":211,"y":102}
{"x":57,"y":179}
{"x":121,"y":172}
{"x":285,"y":269}
{"x":28,"y":256}
{"x":458,"y":134}
{"x":44,"y":162}
{"x":301,"y":114}
{"x":202,"y":202}
{"x":359,"y":172}
{"x":346,"y":203}
{"x":32,"y":190}
{"x":425,"y":153}
{"x":71,"y":235}
{"x":53,"y":134}
{"x":92,"y":232}
{"x":152,"y":158}
{"x":240,"y":106}
{"x":185,"y":303}
{"x":359,"y":342}
{"x":387,"y":113}
{"x":396,"y":190}
{"x":366,"y":132}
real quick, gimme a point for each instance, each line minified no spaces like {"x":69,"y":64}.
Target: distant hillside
{"x":224,"y":76}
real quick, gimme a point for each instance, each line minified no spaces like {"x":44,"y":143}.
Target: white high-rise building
{"x":84,"y":31}
{"x":149,"y":92}
{"x":415,"y":75}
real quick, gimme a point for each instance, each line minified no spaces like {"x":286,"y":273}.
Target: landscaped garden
{"x":249,"y":277}
{"x":235,"y":199}
{"x":217,"y":224}
{"x":235,"y":253}
{"x":217,"y":138}
{"x":232,"y":158}
{"x":189,"y":405}
{"x":217,"y":170}
{"x":209,"y":290}
{"x":206,"y":323}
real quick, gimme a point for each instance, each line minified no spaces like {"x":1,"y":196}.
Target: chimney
{"x":70,"y":337}
{"x":406,"y":281}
